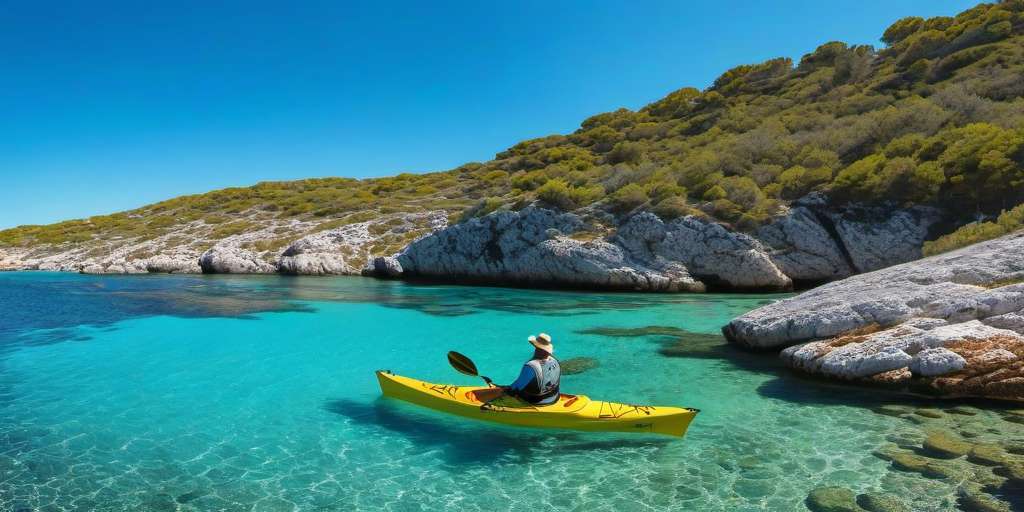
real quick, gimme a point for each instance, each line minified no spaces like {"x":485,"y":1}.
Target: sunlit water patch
{"x":258,"y":393}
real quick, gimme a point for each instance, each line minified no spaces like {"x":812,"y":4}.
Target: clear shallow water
{"x":258,"y":393}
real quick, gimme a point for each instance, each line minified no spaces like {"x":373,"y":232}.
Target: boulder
{"x":326,"y":252}
{"x":384,"y":266}
{"x":233,"y":260}
{"x":936,"y":361}
{"x":315,"y":264}
{"x":175,"y":263}
{"x":923,"y":353}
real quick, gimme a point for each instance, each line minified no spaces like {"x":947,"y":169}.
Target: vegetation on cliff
{"x":1006,"y":223}
{"x":936,"y":116}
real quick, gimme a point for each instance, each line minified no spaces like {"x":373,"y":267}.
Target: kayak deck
{"x":576,"y":412}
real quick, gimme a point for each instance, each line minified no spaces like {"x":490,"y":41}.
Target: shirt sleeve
{"x":525,"y":376}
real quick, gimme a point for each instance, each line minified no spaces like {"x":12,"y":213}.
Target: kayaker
{"x":538,"y":380}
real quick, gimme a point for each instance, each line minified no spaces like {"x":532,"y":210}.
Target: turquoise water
{"x":258,"y":393}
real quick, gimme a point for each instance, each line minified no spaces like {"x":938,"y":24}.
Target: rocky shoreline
{"x":951,"y":325}
{"x":538,"y":247}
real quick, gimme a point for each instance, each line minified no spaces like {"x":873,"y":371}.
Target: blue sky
{"x":110,"y":106}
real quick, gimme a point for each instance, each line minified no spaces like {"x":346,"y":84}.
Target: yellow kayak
{"x":576,"y":412}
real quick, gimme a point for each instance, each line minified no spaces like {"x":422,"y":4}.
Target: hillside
{"x":933,"y":118}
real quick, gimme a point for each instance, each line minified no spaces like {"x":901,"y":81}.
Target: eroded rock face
{"x":877,"y":239}
{"x":708,"y":250}
{"x":814,"y":243}
{"x":534,"y":247}
{"x":233,"y":260}
{"x":947,"y":325}
{"x":803,"y":249}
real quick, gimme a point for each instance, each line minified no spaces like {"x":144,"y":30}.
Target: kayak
{"x":576,"y":412}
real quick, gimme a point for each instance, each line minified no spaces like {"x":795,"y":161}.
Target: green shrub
{"x":1006,"y":223}
{"x":628,"y":198}
{"x":672,"y":207}
{"x":559,"y":194}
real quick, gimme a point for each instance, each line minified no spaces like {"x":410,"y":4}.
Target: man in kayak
{"x":539,"y":379}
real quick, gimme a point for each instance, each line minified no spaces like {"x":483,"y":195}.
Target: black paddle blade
{"x":462,"y":364}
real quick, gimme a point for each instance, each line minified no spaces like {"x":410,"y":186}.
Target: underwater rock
{"x":1013,"y":471}
{"x":962,"y":410}
{"x":973,"y":499}
{"x":635,"y":332}
{"x":892,"y":410}
{"x":575,"y":365}
{"x":872,"y":502}
{"x":988,"y":455}
{"x":832,"y":499}
{"x":911,"y":462}
{"x":943,"y":446}
{"x":928,"y":412}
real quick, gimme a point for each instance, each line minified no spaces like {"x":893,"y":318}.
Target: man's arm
{"x":525,"y":376}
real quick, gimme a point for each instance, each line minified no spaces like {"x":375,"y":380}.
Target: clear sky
{"x":110,"y":106}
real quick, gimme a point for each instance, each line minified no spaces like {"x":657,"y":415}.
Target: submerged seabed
{"x":257,"y":393}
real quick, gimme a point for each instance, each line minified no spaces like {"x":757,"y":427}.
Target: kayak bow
{"x":576,"y":412}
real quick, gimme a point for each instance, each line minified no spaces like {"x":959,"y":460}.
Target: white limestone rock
{"x":708,"y":250}
{"x":877,"y":238}
{"x":938,"y":286}
{"x":922,"y":350}
{"x":384,"y":266}
{"x":936,"y":361}
{"x":803,"y":249}
{"x":176,"y":263}
{"x":1013,"y":321}
{"x":534,"y":247}
{"x":233,"y":260}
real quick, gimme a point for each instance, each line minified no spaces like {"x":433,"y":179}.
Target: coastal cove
{"x":257,"y":393}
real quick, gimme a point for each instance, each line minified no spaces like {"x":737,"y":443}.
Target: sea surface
{"x":258,"y":393}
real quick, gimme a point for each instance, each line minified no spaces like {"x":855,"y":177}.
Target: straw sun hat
{"x":543,"y":342}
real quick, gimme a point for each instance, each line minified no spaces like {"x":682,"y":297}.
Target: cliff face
{"x":950,"y":325}
{"x":541,"y":247}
